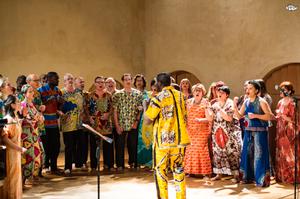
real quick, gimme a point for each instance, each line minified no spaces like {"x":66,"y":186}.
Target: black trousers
{"x":81,"y":148}
{"x":132,"y":139}
{"x":69,"y":141}
{"x":94,"y":141}
{"x":108,"y":153}
{"x":52,"y":146}
{"x":119,"y":140}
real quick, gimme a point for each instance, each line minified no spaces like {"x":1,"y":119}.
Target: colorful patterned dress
{"x":197,"y":160}
{"x":32,"y":158}
{"x":226,"y":139}
{"x":255,"y":165}
{"x":145,"y":134}
{"x":12,"y":187}
{"x":285,"y":143}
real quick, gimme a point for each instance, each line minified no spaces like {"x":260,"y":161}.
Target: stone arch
{"x":178,"y":75}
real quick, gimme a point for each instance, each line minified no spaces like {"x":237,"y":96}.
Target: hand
{"x":235,"y":100}
{"x":92,"y":120}
{"x":42,"y":108}
{"x":251,"y":115}
{"x":135,"y":124}
{"x":140,"y":108}
{"x":105,"y":116}
{"x":200,"y":119}
{"x":60,"y":113}
{"x":119,"y":129}
{"x":23,"y":150}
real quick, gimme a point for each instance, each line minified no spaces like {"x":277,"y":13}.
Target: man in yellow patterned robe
{"x":167,"y":111}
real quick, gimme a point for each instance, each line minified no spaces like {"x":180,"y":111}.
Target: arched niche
{"x":181,"y":74}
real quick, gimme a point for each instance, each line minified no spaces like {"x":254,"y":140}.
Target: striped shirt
{"x":50,"y":100}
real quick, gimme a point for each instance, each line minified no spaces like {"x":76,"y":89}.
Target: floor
{"x":139,"y":184}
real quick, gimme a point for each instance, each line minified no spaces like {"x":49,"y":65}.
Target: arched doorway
{"x":181,"y":74}
{"x":287,"y":72}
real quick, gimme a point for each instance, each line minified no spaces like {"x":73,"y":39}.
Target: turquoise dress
{"x":255,"y":165}
{"x":144,"y":148}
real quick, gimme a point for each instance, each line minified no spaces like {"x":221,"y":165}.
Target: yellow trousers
{"x":163,"y":160}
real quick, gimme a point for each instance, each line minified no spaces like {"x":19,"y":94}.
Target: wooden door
{"x":288,"y":72}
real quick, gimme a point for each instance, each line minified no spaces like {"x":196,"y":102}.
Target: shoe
{"x":217,"y":177}
{"x":120,"y":169}
{"x":67,"y":172}
{"x":56,"y":172}
{"x":47,"y":170}
{"x":84,"y":168}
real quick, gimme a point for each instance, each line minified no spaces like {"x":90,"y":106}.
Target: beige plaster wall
{"x":88,"y":38}
{"x":221,"y":40}
{"x":229,"y":40}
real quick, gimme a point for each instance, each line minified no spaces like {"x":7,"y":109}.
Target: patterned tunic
{"x":169,"y":130}
{"x":72,"y":108}
{"x":127,"y":105}
{"x":285,"y":143}
{"x":226,"y":139}
{"x":197,"y":160}
{"x":50,"y":99}
{"x":98,"y":106}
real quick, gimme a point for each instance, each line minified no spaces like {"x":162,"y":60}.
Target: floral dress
{"x":32,"y":158}
{"x":285,"y":143}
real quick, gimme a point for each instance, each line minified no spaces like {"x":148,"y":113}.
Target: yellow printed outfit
{"x":168,"y":111}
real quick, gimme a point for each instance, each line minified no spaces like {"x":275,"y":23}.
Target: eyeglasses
{"x":36,"y":80}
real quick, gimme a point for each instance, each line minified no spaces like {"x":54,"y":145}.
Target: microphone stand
{"x":107,"y":139}
{"x":296,"y":146}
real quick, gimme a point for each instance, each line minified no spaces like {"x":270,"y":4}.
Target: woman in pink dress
{"x":197,"y":160}
{"x":285,"y":135}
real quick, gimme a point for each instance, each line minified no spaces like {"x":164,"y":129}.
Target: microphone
{"x":285,"y":93}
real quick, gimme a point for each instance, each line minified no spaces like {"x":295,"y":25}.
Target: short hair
{"x":98,"y":77}
{"x":143,"y":78}
{"x":225,"y":89}
{"x":164,"y":78}
{"x":51,"y":74}
{"x":124,"y":75}
{"x":255,"y":84}
{"x":199,"y":86}
{"x":68,"y":75}
{"x":288,"y":85}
